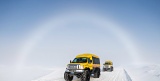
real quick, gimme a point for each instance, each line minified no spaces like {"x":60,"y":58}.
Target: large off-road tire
{"x":97,"y":74}
{"x":85,"y":76}
{"x":112,"y":69}
{"x":67,"y":77}
{"x":104,"y":69}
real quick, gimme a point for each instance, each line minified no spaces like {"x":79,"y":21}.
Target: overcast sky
{"x":50,"y":33}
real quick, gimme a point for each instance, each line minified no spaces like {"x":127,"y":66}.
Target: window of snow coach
{"x":80,"y":60}
{"x":89,"y":61}
{"x":108,"y":63}
{"x":96,"y":60}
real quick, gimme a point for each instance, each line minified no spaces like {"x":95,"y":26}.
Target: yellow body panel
{"x":88,"y":65}
{"x":87,"y":55}
{"x":109,"y":62}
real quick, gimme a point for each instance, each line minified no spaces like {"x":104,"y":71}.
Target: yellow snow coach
{"x":108,"y":66}
{"x":83,"y":66}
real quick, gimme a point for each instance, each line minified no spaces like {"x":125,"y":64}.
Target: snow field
{"x":119,"y":74}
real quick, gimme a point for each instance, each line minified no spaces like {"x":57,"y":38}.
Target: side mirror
{"x":70,"y":61}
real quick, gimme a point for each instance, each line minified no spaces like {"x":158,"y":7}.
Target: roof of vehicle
{"x":109,"y":61}
{"x":87,"y":55}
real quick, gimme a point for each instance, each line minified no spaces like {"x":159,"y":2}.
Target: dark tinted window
{"x":80,"y":60}
{"x":95,"y":60}
{"x":89,"y":61}
{"x":108,"y":63}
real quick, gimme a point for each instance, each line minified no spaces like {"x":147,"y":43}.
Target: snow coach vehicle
{"x":83,"y":66}
{"x":108,"y":66}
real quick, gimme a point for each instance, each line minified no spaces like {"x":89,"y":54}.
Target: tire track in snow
{"x":119,"y":74}
{"x":114,"y":75}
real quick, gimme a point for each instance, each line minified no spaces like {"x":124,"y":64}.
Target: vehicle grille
{"x":106,"y":66}
{"x":73,"y":66}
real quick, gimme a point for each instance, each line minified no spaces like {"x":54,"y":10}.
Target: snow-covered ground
{"x":119,"y":74}
{"x":8,"y":73}
{"x":145,"y":73}
{"x":135,"y":73}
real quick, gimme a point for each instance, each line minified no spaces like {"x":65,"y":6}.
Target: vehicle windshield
{"x":80,"y":60}
{"x":107,"y":63}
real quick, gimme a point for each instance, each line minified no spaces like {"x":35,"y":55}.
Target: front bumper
{"x":106,"y":67}
{"x":75,"y":70}
{"x":72,"y":72}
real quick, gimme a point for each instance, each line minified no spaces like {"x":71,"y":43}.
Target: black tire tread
{"x":85,"y":76}
{"x":67,"y":77}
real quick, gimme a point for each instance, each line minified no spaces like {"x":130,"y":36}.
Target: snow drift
{"x":145,"y":73}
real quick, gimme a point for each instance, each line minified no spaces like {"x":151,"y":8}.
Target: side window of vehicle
{"x":98,"y":61}
{"x":89,"y":61}
{"x":95,"y":60}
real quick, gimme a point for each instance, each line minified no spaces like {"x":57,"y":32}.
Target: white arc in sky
{"x":62,"y":20}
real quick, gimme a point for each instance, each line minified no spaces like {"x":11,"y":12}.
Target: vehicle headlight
{"x":81,"y":67}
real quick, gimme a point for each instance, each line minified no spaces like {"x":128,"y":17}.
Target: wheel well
{"x":96,"y":69}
